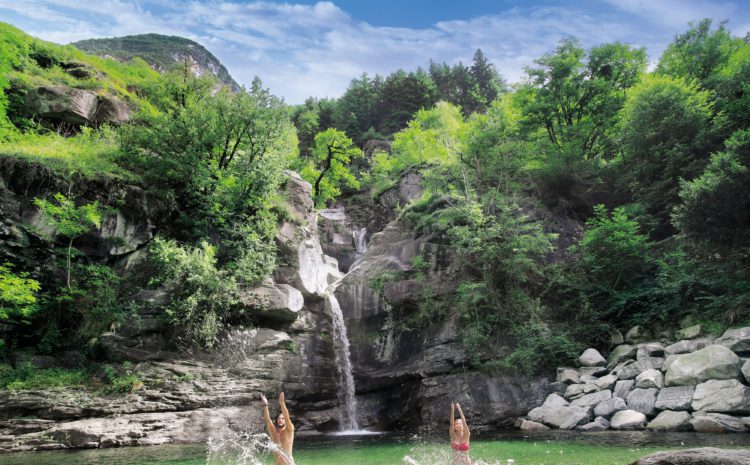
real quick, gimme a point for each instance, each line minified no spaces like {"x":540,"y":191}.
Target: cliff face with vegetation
{"x":162,"y":53}
{"x":162,"y":263}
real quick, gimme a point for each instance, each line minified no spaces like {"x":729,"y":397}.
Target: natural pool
{"x":559,"y":448}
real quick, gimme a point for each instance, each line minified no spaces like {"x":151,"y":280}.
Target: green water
{"x":580,"y":449}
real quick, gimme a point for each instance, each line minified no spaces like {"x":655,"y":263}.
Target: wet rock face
{"x":124,"y":232}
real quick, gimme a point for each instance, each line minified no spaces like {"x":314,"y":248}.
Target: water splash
{"x":236,"y":346}
{"x":231,"y":447}
{"x":346,"y":392}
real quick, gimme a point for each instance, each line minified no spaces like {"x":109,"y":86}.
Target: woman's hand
{"x":263,"y":400}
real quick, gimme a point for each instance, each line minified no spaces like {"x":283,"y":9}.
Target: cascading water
{"x":347,"y":399}
{"x":360,"y":245}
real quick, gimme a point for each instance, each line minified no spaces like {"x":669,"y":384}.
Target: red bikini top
{"x":462,"y":447}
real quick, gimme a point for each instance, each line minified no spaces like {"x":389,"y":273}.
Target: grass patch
{"x":106,"y":379}
{"x":29,"y":377}
{"x":89,"y":154}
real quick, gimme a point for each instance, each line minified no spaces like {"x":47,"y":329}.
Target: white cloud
{"x":676,"y":13}
{"x":302,"y":50}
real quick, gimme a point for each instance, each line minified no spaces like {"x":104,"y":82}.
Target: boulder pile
{"x":696,"y":384}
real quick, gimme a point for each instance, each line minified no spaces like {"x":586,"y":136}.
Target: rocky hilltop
{"x":163,"y":53}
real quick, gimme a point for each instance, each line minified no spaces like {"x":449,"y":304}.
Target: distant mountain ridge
{"x":163,"y":53}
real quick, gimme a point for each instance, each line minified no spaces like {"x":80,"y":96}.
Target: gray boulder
{"x":722,"y":396}
{"x":623,"y":388}
{"x":675,"y":398}
{"x":713,"y":362}
{"x":561,"y":417}
{"x":691,"y":332}
{"x":599,"y":424}
{"x":746,"y":370}
{"x":555,"y":400}
{"x":716,"y":423}
{"x":574,"y":391}
{"x":736,"y":339}
{"x":591,"y":358}
{"x":630,"y":370}
{"x":76,"y":106}
{"x":609,"y":407}
{"x":652,"y":349}
{"x":63,"y":104}
{"x":112,"y":111}
{"x":527,"y":425}
{"x":592,"y":372}
{"x":616,"y":338}
{"x":668,"y":362}
{"x":643,"y":400}
{"x":636,"y":335}
{"x":701,"y":456}
{"x":685,"y":346}
{"x":606,"y":382}
{"x":591,"y":386}
{"x":628,"y":420}
{"x":568,"y":376}
{"x":650,"y":379}
{"x":279,"y":302}
{"x":590,"y":400}
{"x":621,"y":353}
{"x":670,"y":421}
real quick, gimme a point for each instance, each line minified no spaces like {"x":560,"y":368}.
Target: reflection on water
{"x":514,"y":447}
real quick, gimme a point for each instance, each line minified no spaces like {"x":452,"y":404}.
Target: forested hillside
{"x":651,"y":168}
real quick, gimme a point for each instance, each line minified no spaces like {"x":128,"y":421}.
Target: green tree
{"x":402,"y":95}
{"x":494,"y":151}
{"x":221,"y":153}
{"x":70,"y":221}
{"x":716,"y":61}
{"x":613,"y":251}
{"x":489,"y":84}
{"x":698,"y":53}
{"x":204,"y":295}
{"x":455,"y":85}
{"x":354,"y":112}
{"x":715,"y":208}
{"x":575,"y":96}
{"x":328,"y":170}
{"x":667,"y":134}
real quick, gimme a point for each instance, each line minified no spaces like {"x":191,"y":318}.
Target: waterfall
{"x":347,"y":400}
{"x":360,"y":246}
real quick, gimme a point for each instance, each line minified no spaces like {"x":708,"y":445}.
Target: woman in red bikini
{"x":460,"y":436}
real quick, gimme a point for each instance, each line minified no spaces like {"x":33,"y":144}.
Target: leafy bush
{"x":538,"y":350}
{"x":203,"y":295}
{"x":121,"y":380}
{"x":69,"y":220}
{"x":18,"y":294}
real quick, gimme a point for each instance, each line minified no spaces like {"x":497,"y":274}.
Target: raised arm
{"x":451,"y":429}
{"x":285,"y":412}
{"x":267,"y":417}
{"x":463,"y":420}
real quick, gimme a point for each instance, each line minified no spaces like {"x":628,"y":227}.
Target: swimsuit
{"x":460,"y":447}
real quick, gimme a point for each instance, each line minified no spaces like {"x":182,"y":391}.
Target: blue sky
{"x":303,"y":48}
